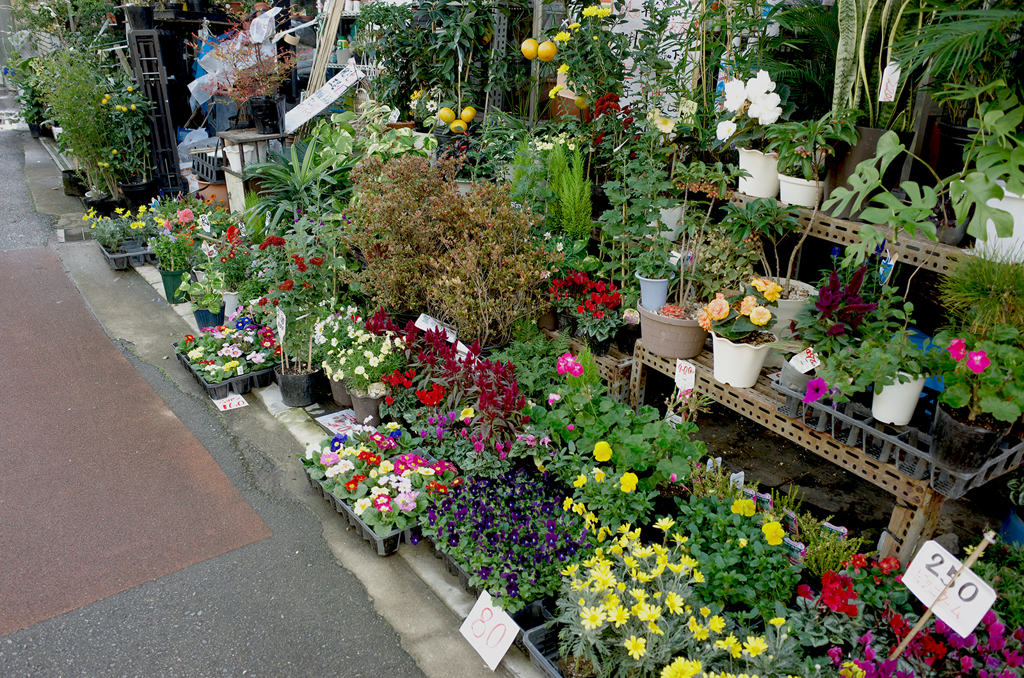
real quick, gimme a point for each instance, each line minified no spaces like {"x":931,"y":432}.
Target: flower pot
{"x":172,"y":280}
{"x":73,"y":184}
{"x":340,"y":393}
{"x":139,"y":18}
{"x":738,"y":365}
{"x":367,"y":408}
{"x":961,"y":447}
{"x":296,"y":389}
{"x":653,"y":292}
{"x":230,"y":302}
{"x":764,"y":173}
{"x":142,"y":193}
{"x":206,"y":319}
{"x":1012,"y":531}
{"x":895,"y":404}
{"x":102,"y":204}
{"x":35,"y":130}
{"x":788,"y":308}
{"x":800,"y":192}
{"x":268,"y":114}
{"x":670,"y":218}
{"x":548,"y":321}
{"x":671,"y":337}
{"x":1013,"y":244}
{"x":794,"y":379}
{"x":953,"y":140}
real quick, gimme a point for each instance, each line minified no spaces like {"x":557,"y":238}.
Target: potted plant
{"x":803,"y":149}
{"x":206,"y":295}
{"x":895,"y":370}
{"x":654,"y":270}
{"x":752,"y":106}
{"x":360,"y":359}
{"x":30,"y":99}
{"x":982,"y":399}
{"x":130,"y":148}
{"x":985,"y":290}
{"x":739,"y":325}
{"x":172,"y":249}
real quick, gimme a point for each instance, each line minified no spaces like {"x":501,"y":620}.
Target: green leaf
{"x":1000,"y":409}
{"x":974,"y":191}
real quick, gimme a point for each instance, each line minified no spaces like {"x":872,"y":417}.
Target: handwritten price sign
{"x":232,"y":402}
{"x":805,"y":361}
{"x":686,"y":375}
{"x":489,"y":630}
{"x":965,"y":602}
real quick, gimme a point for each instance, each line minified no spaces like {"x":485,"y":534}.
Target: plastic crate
{"x":208,"y":165}
{"x":542,"y":644}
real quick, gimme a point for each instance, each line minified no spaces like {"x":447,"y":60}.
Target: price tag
{"x":805,"y":361}
{"x":282,"y":324}
{"x":489,"y":630}
{"x":426,"y":323}
{"x":737,"y":479}
{"x":462,"y":349}
{"x":232,"y":402}
{"x":714,"y":465}
{"x":686,"y":375}
{"x":964,"y":603}
{"x":241,"y":370}
{"x":890,"y":82}
{"x":394,"y":115}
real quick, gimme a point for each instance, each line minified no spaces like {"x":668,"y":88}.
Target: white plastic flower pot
{"x":800,"y":192}
{"x":1013,"y":244}
{"x":895,"y":404}
{"x":764,"y":173}
{"x":738,"y":365}
{"x":230,"y":302}
{"x":671,"y":219}
{"x":234,"y":156}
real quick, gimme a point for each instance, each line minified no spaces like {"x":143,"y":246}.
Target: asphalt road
{"x":282,"y":606}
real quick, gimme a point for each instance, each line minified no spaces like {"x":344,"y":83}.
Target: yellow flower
{"x":591,"y":11}
{"x":628,"y":482}
{"x":649,"y":612}
{"x":637,"y":647}
{"x":567,"y":504}
{"x":851,"y":670}
{"x":679,"y":539}
{"x":554,"y":91}
{"x":467,"y":413}
{"x":570,"y":570}
{"x":619,"y":615}
{"x":743,"y":542}
{"x":602,"y":451}
{"x":580,"y":481}
{"x":665,"y":524}
{"x":579,"y":509}
{"x":760,"y":316}
{"x":755,"y":646}
{"x":718,"y":308}
{"x":639,"y":594}
{"x":136,"y":225}
{"x":599,"y":477}
{"x":655,"y":629}
{"x":701,"y":633}
{"x":574,"y":27}
{"x":777,"y":621}
{"x":704,"y":612}
{"x":698,"y":576}
{"x":674,"y":602}
{"x":593,"y":617}
{"x":716,"y":624}
{"x":562,"y":36}
{"x":730,"y":645}
{"x":603,"y":12}
{"x":682,"y":668}
{"x":744,"y":507}
{"x":773,"y":533}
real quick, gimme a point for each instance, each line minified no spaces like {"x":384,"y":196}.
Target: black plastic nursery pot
{"x":205,"y":318}
{"x":140,"y":18}
{"x":139,"y":194}
{"x":961,"y":447}
{"x":267,"y":114}
{"x":297,"y":390}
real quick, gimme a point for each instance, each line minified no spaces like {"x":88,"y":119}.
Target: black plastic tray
{"x":241,"y":384}
{"x":385,"y":545}
{"x":542,"y":646}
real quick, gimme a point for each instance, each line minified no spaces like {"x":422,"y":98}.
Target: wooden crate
{"x":614,"y":368}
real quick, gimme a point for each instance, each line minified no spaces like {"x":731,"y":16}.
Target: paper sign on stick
{"x":805,"y":361}
{"x":426,"y":323}
{"x":964,"y":603}
{"x":489,"y":630}
{"x":686,"y":375}
{"x":322,"y":98}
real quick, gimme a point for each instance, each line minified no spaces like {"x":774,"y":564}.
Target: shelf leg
{"x":638,"y":377}
{"x":913,"y":526}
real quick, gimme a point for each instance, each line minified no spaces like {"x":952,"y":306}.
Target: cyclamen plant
{"x":509,"y":534}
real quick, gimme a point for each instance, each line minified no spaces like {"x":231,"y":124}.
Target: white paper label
{"x":462,"y":349}
{"x":394,"y":115}
{"x":232,"y":402}
{"x":686,"y":375}
{"x":805,"y":361}
{"x":890,"y":82}
{"x":489,"y":630}
{"x":282,"y":325}
{"x":965,"y":602}
{"x":338,"y":422}
{"x":241,"y":370}
{"x":322,"y":98}
{"x":736,"y":479}
{"x":426,"y":323}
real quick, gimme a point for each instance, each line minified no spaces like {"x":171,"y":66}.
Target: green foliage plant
{"x":1000,"y":566}
{"x":825,"y":550}
{"x":985,"y":290}
{"x":30,"y":98}
{"x":290,"y":185}
{"x":206,"y":293}
{"x":574,"y":199}
{"x":761,"y":221}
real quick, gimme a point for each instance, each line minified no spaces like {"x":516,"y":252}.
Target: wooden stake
{"x":990,"y":538}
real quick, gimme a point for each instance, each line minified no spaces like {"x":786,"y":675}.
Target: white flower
{"x":368,"y":354}
{"x":362,"y":505}
{"x":725,"y":130}
{"x":759,"y":84}
{"x":374,"y":361}
{"x":664,"y":125}
{"x":361,"y":371}
{"x":559,"y":247}
{"x":765,"y":108}
{"x":735,"y":95}
{"x":334,"y":341}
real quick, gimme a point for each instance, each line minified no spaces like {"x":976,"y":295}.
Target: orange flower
{"x":704,"y":320}
{"x":718,"y":309}
{"x":748,"y":304}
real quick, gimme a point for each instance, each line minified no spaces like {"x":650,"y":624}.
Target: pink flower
{"x":977,"y":361}
{"x":554,"y":398}
{"x":957,"y":349}
{"x":545,"y":441}
{"x":571,"y":427}
{"x":816,"y":389}
{"x":672,"y":477}
{"x":329,"y":458}
{"x":576,"y":369}
{"x":185,"y":216}
{"x":564,"y":361}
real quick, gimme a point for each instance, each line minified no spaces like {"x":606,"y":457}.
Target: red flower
{"x":273,"y":240}
{"x":232,"y":234}
{"x":804,"y":591}
{"x":231,"y":254}
{"x":579,"y":309}
{"x":302,"y":267}
{"x":275,"y":302}
{"x":262,"y":301}
{"x":286,"y":286}
{"x":189,"y":338}
{"x":223,"y":260}
{"x":307,"y":285}
{"x":389,"y":400}
{"x":317,"y":261}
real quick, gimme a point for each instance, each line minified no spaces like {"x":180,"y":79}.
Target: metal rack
{"x":151,"y":74}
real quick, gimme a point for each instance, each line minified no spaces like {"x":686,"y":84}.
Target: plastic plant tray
{"x":542,"y":645}
{"x":905,"y":448}
{"x":385,"y":545}
{"x":240,"y":384}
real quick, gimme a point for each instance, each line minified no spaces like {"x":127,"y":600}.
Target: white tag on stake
{"x":964,"y":603}
{"x":686,"y":375}
{"x":489,"y":630}
{"x":805,"y":361}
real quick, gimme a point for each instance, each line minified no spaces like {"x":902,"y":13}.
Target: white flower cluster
{"x":757,"y":95}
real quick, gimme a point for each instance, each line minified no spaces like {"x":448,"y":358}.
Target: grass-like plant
{"x":985,"y":290}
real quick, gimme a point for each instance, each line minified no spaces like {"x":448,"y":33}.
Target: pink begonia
{"x":977,"y":361}
{"x":571,"y":427}
{"x":957,"y":349}
{"x":576,"y":370}
{"x":554,"y":398}
{"x":185,"y":216}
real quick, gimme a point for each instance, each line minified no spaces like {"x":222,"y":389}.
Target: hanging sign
{"x":322,"y":98}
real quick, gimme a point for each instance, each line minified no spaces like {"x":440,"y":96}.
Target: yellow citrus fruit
{"x":546,"y":51}
{"x":446,"y":114}
{"x":529,"y":48}
{"x":468,"y":114}
{"x":581,"y":102}
{"x":458,"y":127}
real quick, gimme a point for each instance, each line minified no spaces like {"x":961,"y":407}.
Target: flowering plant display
{"x":739,"y":551}
{"x":592,"y":306}
{"x":231,"y":258}
{"x":632,"y":610}
{"x":173,"y":248}
{"x":743,"y":317}
{"x":139,"y":225}
{"x":225,"y":351}
{"x":335,"y":333}
{"x":376,"y":472}
{"x":983,"y":377}
{"x":509,"y":534}
{"x":368,"y":358}
{"x":751,"y":106}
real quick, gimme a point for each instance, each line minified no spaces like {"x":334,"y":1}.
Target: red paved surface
{"x":101,"y":487}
